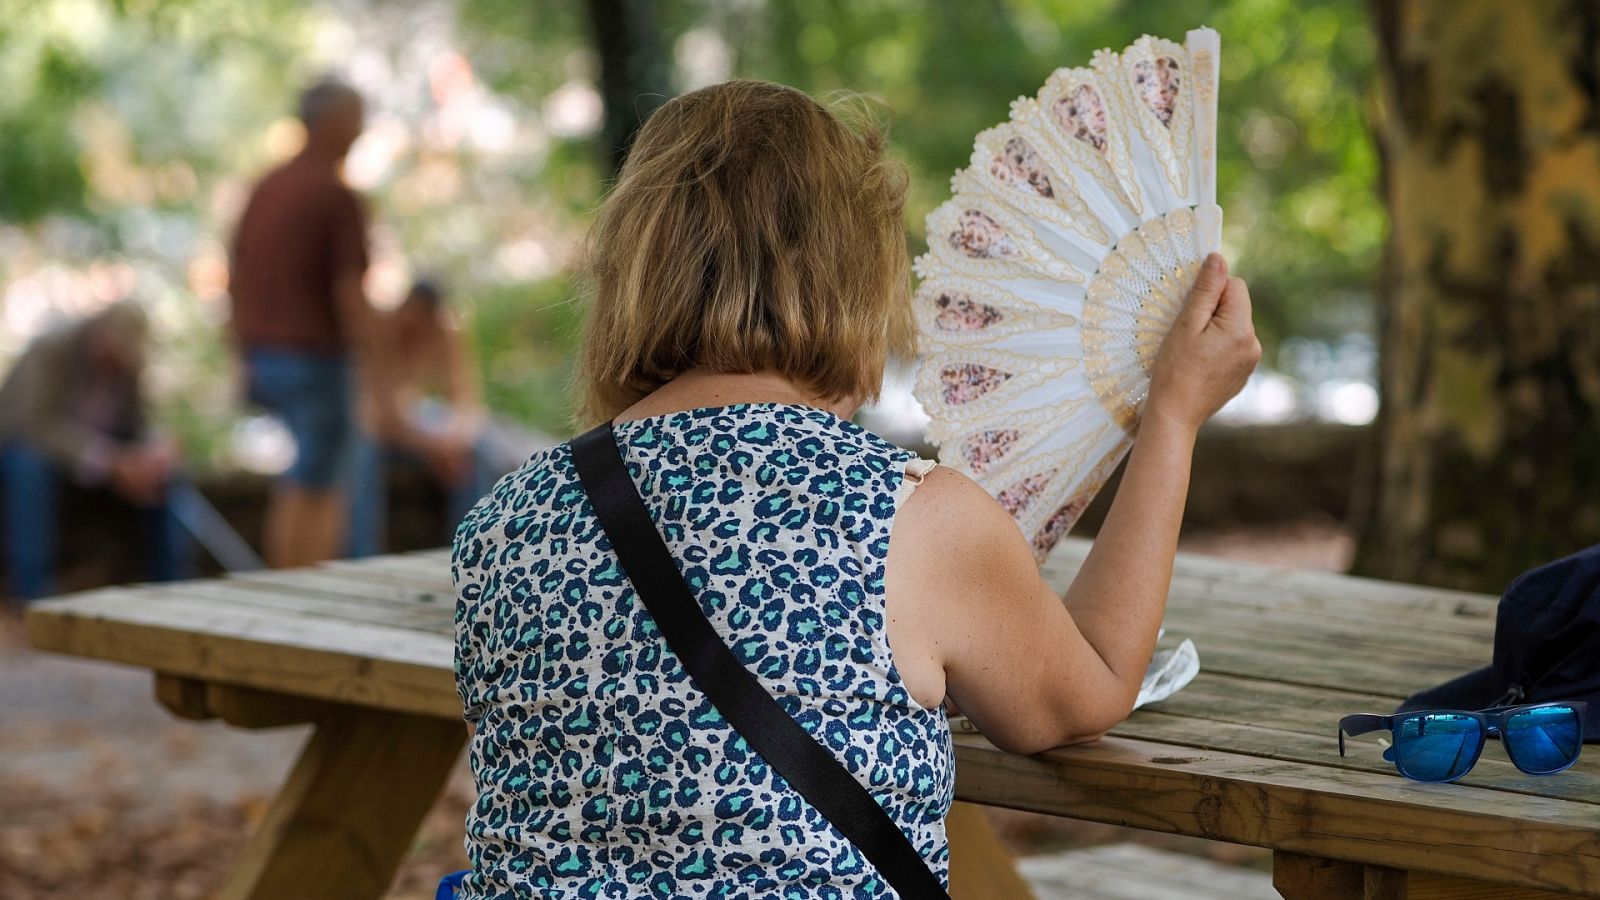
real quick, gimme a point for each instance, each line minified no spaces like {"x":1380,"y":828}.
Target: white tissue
{"x":1169,"y":671}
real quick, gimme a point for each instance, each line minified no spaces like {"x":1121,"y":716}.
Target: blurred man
{"x":71,"y":409}
{"x":420,"y":407}
{"x":300,"y":315}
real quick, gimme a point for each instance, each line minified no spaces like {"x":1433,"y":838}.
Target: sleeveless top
{"x":601,"y":770}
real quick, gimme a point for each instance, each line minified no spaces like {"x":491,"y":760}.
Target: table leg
{"x":345,"y":817}
{"x":1301,"y":877}
{"x":980,"y":866}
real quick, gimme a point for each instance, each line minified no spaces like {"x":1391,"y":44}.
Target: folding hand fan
{"x":1057,"y":268}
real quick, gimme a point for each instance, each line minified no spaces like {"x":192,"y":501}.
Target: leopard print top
{"x":601,"y":771}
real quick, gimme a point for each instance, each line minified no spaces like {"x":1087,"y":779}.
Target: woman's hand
{"x":1210,"y":351}
{"x":965,"y":595}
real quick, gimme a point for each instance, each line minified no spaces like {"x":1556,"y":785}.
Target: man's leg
{"x":369,"y":498}
{"x":326,"y":514}
{"x":304,"y":525}
{"x":306,"y":514}
{"x":29,"y":520}
{"x":170,"y":546}
{"x":279,"y":538}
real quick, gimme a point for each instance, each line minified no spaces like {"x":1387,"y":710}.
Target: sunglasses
{"x":1444,"y":744}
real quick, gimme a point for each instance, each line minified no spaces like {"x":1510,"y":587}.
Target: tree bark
{"x":1489,"y":433}
{"x":635,"y":76}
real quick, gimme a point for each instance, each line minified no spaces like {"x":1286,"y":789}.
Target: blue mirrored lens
{"x":1545,"y":739}
{"x":1437,"y":746}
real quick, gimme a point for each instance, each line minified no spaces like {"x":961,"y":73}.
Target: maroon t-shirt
{"x":302,"y":228}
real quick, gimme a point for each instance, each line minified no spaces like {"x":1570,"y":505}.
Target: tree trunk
{"x":1489,"y":434}
{"x":635,"y":77}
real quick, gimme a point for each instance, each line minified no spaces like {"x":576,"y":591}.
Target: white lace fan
{"x":1057,"y":268}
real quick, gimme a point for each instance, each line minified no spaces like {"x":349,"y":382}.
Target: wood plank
{"x":1382,"y":638}
{"x":369,"y":666}
{"x":192,"y":698}
{"x":1494,"y":772}
{"x":1312,"y":663}
{"x":1398,"y":635}
{"x":1300,"y":723}
{"x":1387,"y":883}
{"x":981,"y":868}
{"x":1318,"y":591}
{"x":1236,"y":698}
{"x":347,"y":813}
{"x":346,"y":585}
{"x":1493,"y":836}
{"x":359,"y":586}
{"x":1447,"y":614}
{"x":1422,"y":618}
{"x":265,"y":601}
{"x":1300,"y":877}
{"x":1201,"y":576}
{"x":378,"y":569}
{"x":423,"y":564}
{"x":205,"y":616}
{"x":1304,"y":664}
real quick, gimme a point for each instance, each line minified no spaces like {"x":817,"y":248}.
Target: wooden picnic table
{"x":1246,"y":753}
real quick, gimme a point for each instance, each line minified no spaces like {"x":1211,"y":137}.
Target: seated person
{"x":749,"y":283}
{"x":71,"y":409}
{"x":419,"y":406}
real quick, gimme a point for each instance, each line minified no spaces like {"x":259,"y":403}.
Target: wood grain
{"x":347,"y":813}
{"x":393,"y":669}
{"x":1495,"y":836}
{"x":191,"y":698}
{"x":981,"y":868}
{"x":1246,"y":753}
{"x":1297,"y":876}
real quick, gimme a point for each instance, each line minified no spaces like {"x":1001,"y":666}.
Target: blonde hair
{"x":750,"y":230}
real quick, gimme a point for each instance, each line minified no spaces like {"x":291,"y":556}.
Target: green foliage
{"x":524,"y":335}
{"x":1297,"y":170}
{"x":1296,"y":166}
{"x":45,"y":76}
{"x":132,"y":127}
{"x":121,"y":121}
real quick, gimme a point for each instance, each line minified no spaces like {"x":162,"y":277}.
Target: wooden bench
{"x":1246,"y":753}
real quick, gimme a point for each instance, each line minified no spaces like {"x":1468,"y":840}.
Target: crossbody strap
{"x":808,"y":766}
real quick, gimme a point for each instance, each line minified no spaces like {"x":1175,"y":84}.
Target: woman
{"x":750,"y":279}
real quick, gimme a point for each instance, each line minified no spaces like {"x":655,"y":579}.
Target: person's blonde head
{"x":750,"y":230}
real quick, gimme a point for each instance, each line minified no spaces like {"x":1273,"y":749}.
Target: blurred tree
{"x":38,"y":159}
{"x":1489,"y":434}
{"x":1296,"y":166}
{"x":129,"y":130}
{"x":635,"y":77}
{"x":1296,"y":163}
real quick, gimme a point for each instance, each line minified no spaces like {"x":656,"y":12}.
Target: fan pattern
{"x":1056,"y":269}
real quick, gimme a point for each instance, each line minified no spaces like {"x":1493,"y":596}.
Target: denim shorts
{"x":311,"y":394}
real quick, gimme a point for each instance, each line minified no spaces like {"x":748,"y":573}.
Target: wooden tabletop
{"x":1246,"y":753}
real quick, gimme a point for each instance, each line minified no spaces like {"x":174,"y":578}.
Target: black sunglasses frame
{"x":1491,"y":723}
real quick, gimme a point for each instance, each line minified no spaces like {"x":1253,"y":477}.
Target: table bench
{"x":1246,"y":753}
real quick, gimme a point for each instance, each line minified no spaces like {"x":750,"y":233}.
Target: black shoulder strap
{"x":808,"y":766}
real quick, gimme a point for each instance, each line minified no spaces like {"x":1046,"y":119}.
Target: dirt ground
{"x":104,"y":795}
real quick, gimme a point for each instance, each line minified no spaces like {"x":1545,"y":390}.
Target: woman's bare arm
{"x":967,"y":603}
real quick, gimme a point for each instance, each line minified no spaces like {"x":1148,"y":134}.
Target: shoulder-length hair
{"x":751,"y":229}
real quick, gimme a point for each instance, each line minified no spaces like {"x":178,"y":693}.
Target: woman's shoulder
{"x":952,"y":526}
{"x":950,"y":505}
{"x":812,"y":434}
